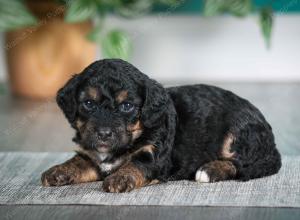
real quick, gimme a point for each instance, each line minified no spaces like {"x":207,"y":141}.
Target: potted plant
{"x":42,"y":50}
{"x":46,"y":41}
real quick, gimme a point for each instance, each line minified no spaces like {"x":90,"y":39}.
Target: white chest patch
{"x":102,"y":156}
{"x":110,"y":166}
{"x":98,"y":158}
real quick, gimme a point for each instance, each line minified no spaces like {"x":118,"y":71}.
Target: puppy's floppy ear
{"x":66,"y":97}
{"x":155,"y":103}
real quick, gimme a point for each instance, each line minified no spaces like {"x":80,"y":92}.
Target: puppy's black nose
{"x":104,"y":133}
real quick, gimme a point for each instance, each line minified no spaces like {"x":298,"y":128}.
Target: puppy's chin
{"x":91,"y":144}
{"x":103,"y":148}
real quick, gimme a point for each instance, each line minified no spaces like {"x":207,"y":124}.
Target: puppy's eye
{"x":89,"y":105}
{"x":126,"y":107}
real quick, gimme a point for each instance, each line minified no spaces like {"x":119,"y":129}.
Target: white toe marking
{"x":202,"y":176}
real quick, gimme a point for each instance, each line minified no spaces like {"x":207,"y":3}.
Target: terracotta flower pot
{"x":41,"y":59}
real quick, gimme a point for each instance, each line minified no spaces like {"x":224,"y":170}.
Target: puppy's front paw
{"x":57,"y":176}
{"x":118,"y":183}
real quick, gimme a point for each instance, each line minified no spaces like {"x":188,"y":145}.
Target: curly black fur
{"x":189,"y":126}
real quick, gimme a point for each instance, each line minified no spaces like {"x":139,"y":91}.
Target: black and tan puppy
{"x":132,"y":132}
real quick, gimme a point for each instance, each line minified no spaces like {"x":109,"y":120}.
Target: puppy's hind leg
{"x":214,"y":171}
{"x":252,"y":155}
{"x":221,"y":169}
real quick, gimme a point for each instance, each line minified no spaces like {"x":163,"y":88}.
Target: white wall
{"x":194,"y":49}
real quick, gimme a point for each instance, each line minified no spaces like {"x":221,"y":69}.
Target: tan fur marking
{"x":79,"y":123}
{"x":137,"y":126}
{"x":136,"y":134}
{"x":84,"y":170}
{"x":226,"y":147}
{"x":75,"y":170}
{"x":136,"y":130}
{"x":147,"y":148}
{"x":89,"y":175}
{"x":219,"y":170}
{"x":130,"y":169}
{"x":153,"y":182}
{"x":122,"y":96}
{"x":224,"y":168}
{"x":93,"y":93}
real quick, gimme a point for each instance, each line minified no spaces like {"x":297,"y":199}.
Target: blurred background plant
{"x":114,"y":42}
{"x":242,"y":8}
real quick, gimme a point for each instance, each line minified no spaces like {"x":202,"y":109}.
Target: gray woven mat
{"x":20,"y":184}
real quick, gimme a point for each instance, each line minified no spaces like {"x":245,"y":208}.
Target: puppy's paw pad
{"x":56,"y":176}
{"x":202,"y":176}
{"x":118,"y":183}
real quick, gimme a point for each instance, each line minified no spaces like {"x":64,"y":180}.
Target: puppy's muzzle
{"x":104,"y":133}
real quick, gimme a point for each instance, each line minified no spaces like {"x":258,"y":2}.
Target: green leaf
{"x":169,"y":2}
{"x":133,"y":8}
{"x":116,"y":44}
{"x":14,"y":15}
{"x":95,"y":34}
{"x":266,"y":24}
{"x":213,"y":7}
{"x":239,"y":8}
{"x":80,"y":10}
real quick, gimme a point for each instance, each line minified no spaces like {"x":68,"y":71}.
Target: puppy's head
{"x":110,"y":104}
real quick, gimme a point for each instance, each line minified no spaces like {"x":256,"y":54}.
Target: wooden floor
{"x":27,"y":125}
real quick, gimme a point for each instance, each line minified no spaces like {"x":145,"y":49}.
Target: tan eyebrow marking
{"x":122,"y":96}
{"x":93,"y":93}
